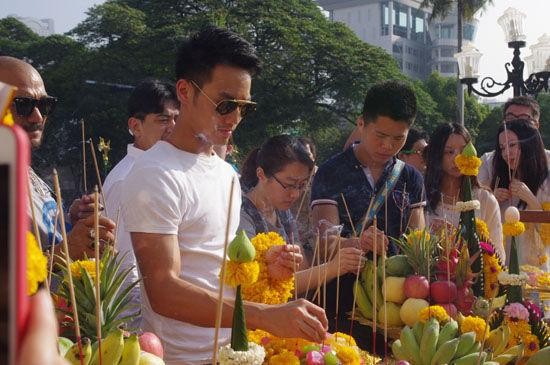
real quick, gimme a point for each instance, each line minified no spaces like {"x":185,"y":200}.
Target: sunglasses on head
{"x":24,"y":106}
{"x":227,"y":106}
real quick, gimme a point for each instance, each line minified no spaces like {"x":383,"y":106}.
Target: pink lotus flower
{"x":517,"y":311}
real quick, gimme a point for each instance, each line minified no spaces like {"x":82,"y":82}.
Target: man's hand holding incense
{"x":82,"y":208}
{"x":372,"y":235}
{"x":82,"y":237}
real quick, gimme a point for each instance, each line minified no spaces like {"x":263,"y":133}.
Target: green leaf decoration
{"x":239,"y":338}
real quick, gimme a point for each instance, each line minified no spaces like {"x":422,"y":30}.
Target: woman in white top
{"x":443,"y":182}
{"x":520,"y":156}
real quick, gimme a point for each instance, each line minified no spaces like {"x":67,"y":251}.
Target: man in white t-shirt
{"x":153,"y":108}
{"x":175,"y":204}
{"x":519,"y":107}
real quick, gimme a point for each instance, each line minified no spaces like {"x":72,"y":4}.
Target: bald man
{"x":30,"y":109}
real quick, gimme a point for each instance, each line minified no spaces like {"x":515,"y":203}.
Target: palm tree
{"x":466,"y":9}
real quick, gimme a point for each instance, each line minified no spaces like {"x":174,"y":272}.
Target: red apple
{"x":443,"y":291}
{"x":450,"y":308}
{"x":149,"y":342}
{"x":417,"y":286}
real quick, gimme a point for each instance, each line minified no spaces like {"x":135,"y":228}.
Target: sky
{"x":489,"y":38}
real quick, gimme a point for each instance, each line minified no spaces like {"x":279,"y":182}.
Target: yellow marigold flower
{"x":513,"y":229}
{"x":468,"y":165}
{"x":477,"y":325}
{"x":339,"y":338}
{"x":266,"y":289}
{"x":543,"y":280}
{"x":257,"y":336}
{"x":416,"y":235}
{"x":491,"y":269}
{"x":518,"y":330}
{"x":434,"y":311}
{"x":531,"y":343}
{"x":88,"y":265}
{"x":241,"y":273}
{"x":284,"y":358}
{"x":37,"y":265}
{"x":349,"y":356}
{"x":482,"y":229}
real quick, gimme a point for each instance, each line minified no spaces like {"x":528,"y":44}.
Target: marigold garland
{"x":482,"y":230}
{"x":513,"y":229}
{"x":241,"y":273}
{"x":37,"y":265}
{"x":284,"y":358}
{"x":468,"y":165}
{"x":267,"y":290}
{"x":518,"y":330}
{"x":477,"y":325}
{"x":434,"y":311}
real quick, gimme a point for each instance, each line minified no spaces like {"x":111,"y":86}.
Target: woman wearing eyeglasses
{"x":273,"y":178}
{"x":443,"y":182}
{"x":520,"y":156}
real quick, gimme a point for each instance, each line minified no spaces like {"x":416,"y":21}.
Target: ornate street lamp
{"x":539,"y":62}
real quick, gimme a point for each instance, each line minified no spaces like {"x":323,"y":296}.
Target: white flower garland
{"x":467,"y":205}
{"x":254,"y":356}
{"x":505,"y":278}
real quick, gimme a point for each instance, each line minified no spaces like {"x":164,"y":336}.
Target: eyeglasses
{"x":412,"y":152}
{"x":286,"y":187}
{"x":227,"y":106}
{"x":25,"y":106}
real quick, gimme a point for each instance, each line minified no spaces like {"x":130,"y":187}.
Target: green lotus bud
{"x":241,"y":249}
{"x":469,"y":150}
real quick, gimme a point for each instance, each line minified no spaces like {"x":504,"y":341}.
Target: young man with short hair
{"x":175,"y":205}
{"x":369,"y":174}
{"x":153,"y":108}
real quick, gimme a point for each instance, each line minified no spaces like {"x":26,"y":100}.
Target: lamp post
{"x":539,"y":62}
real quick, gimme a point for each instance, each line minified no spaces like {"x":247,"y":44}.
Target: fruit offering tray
{"x":393,"y":332}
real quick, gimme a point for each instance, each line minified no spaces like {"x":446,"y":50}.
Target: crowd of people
{"x":172,"y":192}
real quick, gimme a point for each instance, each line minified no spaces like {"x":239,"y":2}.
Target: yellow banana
{"x":504,"y":359}
{"x":428,"y":344}
{"x":73,"y":354}
{"x":111,"y":349}
{"x":495,"y":339}
{"x":363,"y":302}
{"x":471,"y":359}
{"x":131,"y":351}
{"x":150,"y":359}
{"x":515,"y":350}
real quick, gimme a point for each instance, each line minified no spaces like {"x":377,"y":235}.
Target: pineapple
{"x":113,"y":289}
{"x":420,"y":248}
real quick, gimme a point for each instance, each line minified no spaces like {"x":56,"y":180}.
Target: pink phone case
{"x":22,"y":226}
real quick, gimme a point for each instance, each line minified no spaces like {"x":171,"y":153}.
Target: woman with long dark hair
{"x":520,"y":157}
{"x":443,"y":182}
{"x":273,"y":178}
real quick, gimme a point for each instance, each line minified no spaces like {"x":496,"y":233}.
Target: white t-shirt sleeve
{"x":485,"y":171}
{"x":151,"y":201}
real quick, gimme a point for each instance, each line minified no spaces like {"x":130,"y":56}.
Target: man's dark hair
{"x":198,"y":55}
{"x":414,"y":136}
{"x":150,"y":97}
{"x":307,"y":141}
{"x":393,"y":99}
{"x":525,"y":101}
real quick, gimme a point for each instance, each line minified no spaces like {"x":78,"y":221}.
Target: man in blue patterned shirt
{"x":366,"y":173}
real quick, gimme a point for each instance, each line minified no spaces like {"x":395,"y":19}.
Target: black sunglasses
{"x":24,"y":106}
{"x":229,"y":105}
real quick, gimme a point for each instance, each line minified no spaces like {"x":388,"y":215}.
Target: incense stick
{"x":116,"y":230}
{"x":84,"y":178}
{"x":96,"y":167}
{"x":337,"y":287}
{"x":68,"y":263}
{"x":349,"y":215}
{"x":317,"y":243}
{"x":325,"y":276}
{"x":97,"y":274}
{"x":291,"y":239}
{"x":222,"y":276}
{"x":319,"y":277}
{"x":384,"y":274}
{"x":52,"y":246}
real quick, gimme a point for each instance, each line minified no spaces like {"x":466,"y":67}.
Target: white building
{"x":418,"y":46}
{"x":42,"y":27}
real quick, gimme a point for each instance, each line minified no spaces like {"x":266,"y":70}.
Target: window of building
{"x":446,"y":32}
{"x":468,"y":31}
{"x":448,"y":67}
{"x":447,"y":51}
{"x":400,"y":20}
{"x":417,"y":26}
{"x":385,"y":19}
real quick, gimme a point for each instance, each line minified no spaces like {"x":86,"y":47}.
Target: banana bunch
{"x":364,"y":291}
{"x":428,"y":344}
{"x":115,"y":350}
{"x":496,"y":345}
